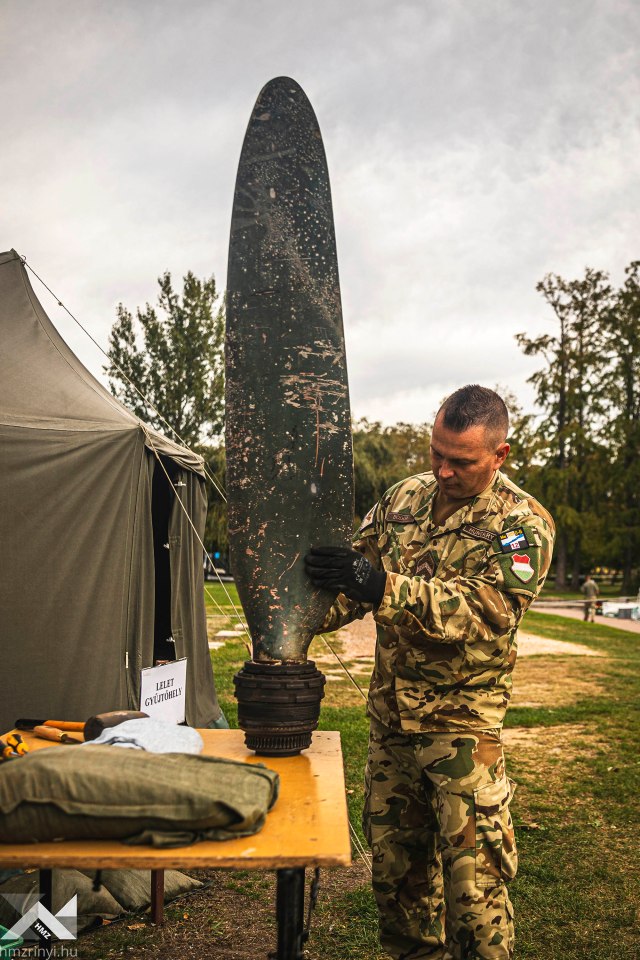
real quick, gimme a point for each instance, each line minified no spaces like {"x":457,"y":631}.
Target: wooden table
{"x":308,"y":827}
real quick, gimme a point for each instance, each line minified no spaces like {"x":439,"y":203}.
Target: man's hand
{"x":343,"y":570}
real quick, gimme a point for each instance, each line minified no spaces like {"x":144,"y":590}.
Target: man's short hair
{"x":474,"y":406}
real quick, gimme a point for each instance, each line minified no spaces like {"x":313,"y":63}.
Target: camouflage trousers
{"x":436,"y":816}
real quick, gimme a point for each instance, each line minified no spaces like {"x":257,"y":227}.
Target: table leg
{"x":157,"y":897}
{"x":290,"y":913}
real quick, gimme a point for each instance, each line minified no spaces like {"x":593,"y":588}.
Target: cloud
{"x":472,"y":149}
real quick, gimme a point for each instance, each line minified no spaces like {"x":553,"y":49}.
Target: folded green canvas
{"x":165,"y":800}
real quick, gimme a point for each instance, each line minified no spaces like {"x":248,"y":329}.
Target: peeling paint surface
{"x":288,"y":426}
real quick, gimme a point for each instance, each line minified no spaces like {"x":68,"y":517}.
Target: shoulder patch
{"x":521,"y":567}
{"x":477,"y":533}
{"x":367,"y":519}
{"x":520,"y":571}
{"x":515,"y":539}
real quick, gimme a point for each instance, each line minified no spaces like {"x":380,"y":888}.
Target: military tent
{"x":101,"y":573}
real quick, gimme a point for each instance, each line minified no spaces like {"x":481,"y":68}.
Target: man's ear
{"x":502,"y":453}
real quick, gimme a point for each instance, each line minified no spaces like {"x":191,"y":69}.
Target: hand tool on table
{"x":17,"y":744}
{"x":102,"y":721}
{"x":57,"y":730}
{"x":12,"y":747}
{"x":28,"y":724}
{"x":53,"y":733}
{"x":6,"y":752}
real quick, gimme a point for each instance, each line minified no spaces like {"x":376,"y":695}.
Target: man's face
{"x":464,"y":463}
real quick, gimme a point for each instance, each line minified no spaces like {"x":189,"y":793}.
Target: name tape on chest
{"x":477,"y":533}
{"x":393,"y":517}
{"x":514,"y":540}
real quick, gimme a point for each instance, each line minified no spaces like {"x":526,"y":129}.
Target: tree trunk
{"x":575,"y":563}
{"x":561,"y":561}
{"x":627,"y":569}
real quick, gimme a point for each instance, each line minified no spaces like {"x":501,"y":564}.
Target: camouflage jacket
{"x":454,"y":596}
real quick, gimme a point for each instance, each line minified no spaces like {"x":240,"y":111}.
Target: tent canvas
{"x":101,"y":573}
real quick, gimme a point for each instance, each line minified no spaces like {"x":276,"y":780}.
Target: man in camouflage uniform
{"x":448,"y":562}
{"x":591,"y":591}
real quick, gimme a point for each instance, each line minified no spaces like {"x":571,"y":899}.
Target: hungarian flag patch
{"x":521,"y":567}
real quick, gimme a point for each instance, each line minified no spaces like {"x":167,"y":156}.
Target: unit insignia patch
{"x":514,"y":540}
{"x":521,"y":567}
{"x":425,"y":568}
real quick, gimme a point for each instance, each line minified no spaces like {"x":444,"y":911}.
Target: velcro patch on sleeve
{"x":521,"y":571}
{"x":514,"y":540}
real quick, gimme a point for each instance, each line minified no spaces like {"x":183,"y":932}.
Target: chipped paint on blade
{"x":288,"y":425}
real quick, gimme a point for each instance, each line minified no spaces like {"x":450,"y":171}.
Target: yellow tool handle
{"x":17,"y":744}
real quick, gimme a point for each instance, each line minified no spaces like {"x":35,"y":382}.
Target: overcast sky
{"x":472,"y":147}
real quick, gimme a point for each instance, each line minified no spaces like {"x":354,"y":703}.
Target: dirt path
{"x":549,"y":673}
{"x":358,"y":641}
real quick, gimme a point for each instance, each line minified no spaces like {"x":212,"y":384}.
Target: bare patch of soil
{"x":555,"y":681}
{"x":532,"y":745}
{"x":529,"y":645}
{"x":358,"y":641}
{"x":549,"y":673}
{"x":359,"y":638}
{"x":233,"y":919}
{"x":544,"y":761}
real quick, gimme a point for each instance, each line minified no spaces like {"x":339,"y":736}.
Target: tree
{"x":568,"y":390}
{"x":520,"y":463}
{"x":216,"y":533}
{"x":621,"y":387}
{"x":179,"y":368}
{"x":384,"y":455}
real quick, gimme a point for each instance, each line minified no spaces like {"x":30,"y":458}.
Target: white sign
{"x":163,"y":691}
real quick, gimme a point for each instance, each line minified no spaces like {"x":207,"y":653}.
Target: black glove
{"x":343,"y":570}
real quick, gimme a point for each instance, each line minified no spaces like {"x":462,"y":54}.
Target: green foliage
{"x":582,"y":460}
{"x":522,"y":439}
{"x":621,"y":385}
{"x":178,"y":369}
{"x":384,"y":455}
{"x":216,"y":532}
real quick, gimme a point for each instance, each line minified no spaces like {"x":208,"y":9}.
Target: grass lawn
{"x":577,"y":766}
{"x":223,"y":596}
{"x":607,"y":590}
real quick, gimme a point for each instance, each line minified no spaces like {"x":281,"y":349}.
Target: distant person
{"x":591,"y":591}
{"x":448,"y":562}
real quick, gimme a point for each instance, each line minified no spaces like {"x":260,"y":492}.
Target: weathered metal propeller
{"x":288,"y":425}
